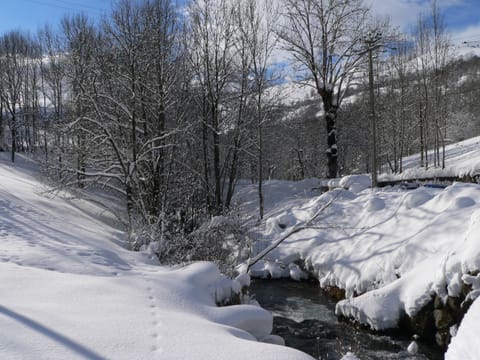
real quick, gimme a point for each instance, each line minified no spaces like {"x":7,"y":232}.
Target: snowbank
{"x":70,"y":291}
{"x":391,"y":250}
{"x":465,"y":345}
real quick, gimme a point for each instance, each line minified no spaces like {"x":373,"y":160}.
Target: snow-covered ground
{"x":69,"y":290}
{"x":460,"y":160}
{"x":396,"y":248}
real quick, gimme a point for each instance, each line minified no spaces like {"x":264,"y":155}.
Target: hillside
{"x":461,"y":160}
{"x":69,"y":290}
{"x":301,"y":126}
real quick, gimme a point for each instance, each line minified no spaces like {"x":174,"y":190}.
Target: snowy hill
{"x":461,"y":159}
{"x":465,"y":52}
{"x":70,"y":291}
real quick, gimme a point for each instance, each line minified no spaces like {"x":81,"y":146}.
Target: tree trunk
{"x":233,"y":173}
{"x":331,"y":123}
{"x":1,"y":126}
{"x":130,"y":205}
{"x":14,"y":142}
{"x":216,"y":161}
{"x":13,"y":131}
{"x":260,"y":171}
{"x":206,"y":163}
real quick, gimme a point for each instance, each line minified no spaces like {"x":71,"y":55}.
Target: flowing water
{"x":305,"y":317}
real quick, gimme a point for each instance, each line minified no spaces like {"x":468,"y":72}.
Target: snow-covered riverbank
{"x":397,"y":249}
{"x":69,"y":290}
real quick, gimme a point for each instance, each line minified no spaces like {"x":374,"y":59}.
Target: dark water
{"x":305,"y":317}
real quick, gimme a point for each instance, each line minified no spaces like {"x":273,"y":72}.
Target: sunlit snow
{"x":69,"y":290}
{"x":395,"y":248}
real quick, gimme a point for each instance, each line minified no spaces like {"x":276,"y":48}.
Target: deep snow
{"x":394,"y":248}
{"x":69,"y":290}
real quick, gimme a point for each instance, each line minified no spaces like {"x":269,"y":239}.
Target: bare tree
{"x":432,"y":52}
{"x":257,"y":24}
{"x":441,"y":57}
{"x":213,"y":55}
{"x":52,"y":77}
{"x":15,"y":50}
{"x":323,"y":37}
{"x":397,"y":104}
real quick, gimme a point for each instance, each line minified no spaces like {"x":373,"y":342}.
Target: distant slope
{"x":461,"y":159}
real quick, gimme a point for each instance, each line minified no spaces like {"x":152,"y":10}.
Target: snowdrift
{"x":69,"y":290}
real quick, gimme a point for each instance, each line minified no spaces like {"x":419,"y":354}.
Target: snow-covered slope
{"x":461,"y":159}
{"x":68,"y":290}
{"x":465,"y":51}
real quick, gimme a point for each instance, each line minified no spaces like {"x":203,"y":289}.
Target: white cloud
{"x":470,"y":34}
{"x":402,"y":13}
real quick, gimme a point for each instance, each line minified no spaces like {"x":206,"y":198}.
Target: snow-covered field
{"x":69,"y":290}
{"x":396,"y":248}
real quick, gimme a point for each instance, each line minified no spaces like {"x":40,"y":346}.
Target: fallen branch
{"x":295,"y":230}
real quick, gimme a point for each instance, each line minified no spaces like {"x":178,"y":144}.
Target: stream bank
{"x":304,"y":316}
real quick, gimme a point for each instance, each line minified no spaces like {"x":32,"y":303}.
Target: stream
{"x":305,"y":317}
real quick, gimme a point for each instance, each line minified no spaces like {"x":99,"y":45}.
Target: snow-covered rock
{"x":356,"y":183}
{"x":412,"y":348}
{"x":350,"y":356}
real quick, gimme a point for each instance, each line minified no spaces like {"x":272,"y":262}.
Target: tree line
{"x":168,"y":107}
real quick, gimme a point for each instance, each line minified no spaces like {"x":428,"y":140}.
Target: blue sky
{"x":30,"y":15}
{"x":462,"y":16}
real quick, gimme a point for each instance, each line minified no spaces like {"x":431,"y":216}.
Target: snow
{"x":392,"y":250}
{"x":70,"y":290}
{"x":356,"y":224}
{"x":465,"y":344}
{"x":465,"y":52}
{"x":355,"y":183}
{"x":349,"y":356}
{"x":460,"y":160}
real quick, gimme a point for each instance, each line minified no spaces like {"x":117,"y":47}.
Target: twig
{"x":296,"y":229}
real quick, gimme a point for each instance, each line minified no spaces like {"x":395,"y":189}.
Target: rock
{"x":442,"y":338}
{"x":334,"y":292}
{"x":454,"y":305}
{"x":412,"y":349}
{"x":437,"y":303}
{"x":443,"y":319}
{"x":422,"y":323}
